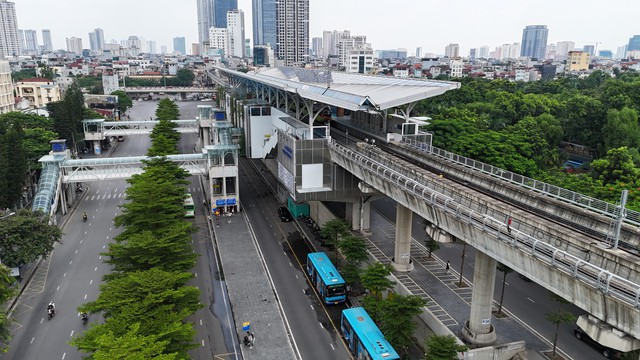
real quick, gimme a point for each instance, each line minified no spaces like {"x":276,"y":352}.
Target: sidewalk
{"x":250,"y":292}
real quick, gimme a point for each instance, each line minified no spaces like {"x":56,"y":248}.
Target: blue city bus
{"x":326,"y":279}
{"x":364,"y":339}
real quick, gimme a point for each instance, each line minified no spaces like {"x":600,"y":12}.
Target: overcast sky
{"x":387,"y":24}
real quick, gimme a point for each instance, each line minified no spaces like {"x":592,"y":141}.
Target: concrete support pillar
{"x":402,"y":253}
{"x":205,"y":136}
{"x":353,"y":210}
{"x":478,"y":330}
{"x":365,"y":217}
{"x":66,"y":197}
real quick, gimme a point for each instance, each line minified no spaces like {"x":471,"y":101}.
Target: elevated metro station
{"x":290,"y":116}
{"x":284,"y":112}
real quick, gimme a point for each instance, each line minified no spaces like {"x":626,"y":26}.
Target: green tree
{"x":440,"y":347}
{"x":124,"y":101}
{"x":130,"y":346}
{"x":505,"y":270}
{"x":395,"y":318}
{"x":184,"y":77}
{"x":160,"y":298}
{"x":23,"y":74}
{"x":334,"y":229}
{"x":170,"y":251}
{"x":354,"y":250}
{"x":25,"y":236}
{"x":46,"y":72}
{"x":155,"y":197}
{"x":557,"y":317}
{"x":13,"y":159}
{"x":617,"y":166}
{"x":8,"y":289}
{"x":167,"y":110}
{"x":67,"y":115}
{"x":375,"y":279}
{"x":621,"y":129}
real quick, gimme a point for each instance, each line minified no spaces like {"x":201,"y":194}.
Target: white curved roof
{"x":349,"y":91}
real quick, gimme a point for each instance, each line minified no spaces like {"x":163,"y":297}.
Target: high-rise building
{"x":292,"y":42}
{"x":483,"y":52}
{"x":235,"y":31}
{"x":347,"y":44}
{"x":508,"y":51}
{"x":605,"y":54}
{"x":220,"y":9}
{"x":621,"y":52}
{"x":96,"y":39}
{"x":30,"y":41}
{"x":74,"y":45}
{"x":452,"y":51}
{"x":316,"y":48}
{"x":634,"y":43}
{"x":590,"y":49}
{"x":9,"y":42}
{"x":563,"y":48}
{"x":195,"y":49}
{"x":179,"y":45}
{"x":247,"y":48}
{"x":163,"y":49}
{"x":219,"y":40}
{"x":419,"y":52}
{"x":264,"y":22}
{"x":330,"y":41}
{"x":7,"y":100}
{"x":205,"y":19}
{"x":534,"y":41}
{"x":473,"y":53}
{"x":151,"y":46}
{"x":46,"y":40}
{"x":21,"y":40}
{"x":134,"y":45}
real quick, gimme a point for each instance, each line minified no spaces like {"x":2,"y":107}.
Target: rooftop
{"x":348,"y":91}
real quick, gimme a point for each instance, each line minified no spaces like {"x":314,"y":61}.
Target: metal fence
{"x":574,"y":198}
{"x":397,"y":176}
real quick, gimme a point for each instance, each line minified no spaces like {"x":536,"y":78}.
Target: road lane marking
{"x":321,"y":325}
{"x":202,"y":342}
{"x":65,"y":274}
{"x":64,"y":355}
{"x":332,"y":348}
{"x":528,"y":298}
{"x":81,"y":241}
{"x":196,"y":274}
{"x":90,"y":282}
{"x":76,"y":251}
{"x":58,"y":288}
{"x":200,"y":322}
{"x":85,"y":296}
{"x":96,"y":269}
{"x":70,"y":262}
{"x":71,"y":335}
{"x":31,"y":342}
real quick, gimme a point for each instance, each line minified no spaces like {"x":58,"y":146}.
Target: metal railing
{"x":601,"y":279}
{"x":574,"y":198}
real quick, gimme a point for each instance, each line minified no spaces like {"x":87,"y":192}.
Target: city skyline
{"x":452,"y":22}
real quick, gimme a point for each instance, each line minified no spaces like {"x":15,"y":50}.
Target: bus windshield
{"x":334,"y":290}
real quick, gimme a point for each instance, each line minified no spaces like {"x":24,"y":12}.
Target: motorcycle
{"x":50,"y":313}
{"x":85,"y":318}
{"x":84,"y":217}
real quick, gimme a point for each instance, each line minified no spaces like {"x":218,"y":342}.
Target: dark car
{"x":605,"y":351}
{"x":284,"y":213}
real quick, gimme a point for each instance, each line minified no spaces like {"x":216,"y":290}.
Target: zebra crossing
{"x":119,"y":194}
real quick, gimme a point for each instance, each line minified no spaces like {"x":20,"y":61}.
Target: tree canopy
{"x":25,"y":236}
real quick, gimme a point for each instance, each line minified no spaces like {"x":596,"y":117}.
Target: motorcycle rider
{"x":84,"y":317}
{"x":84,"y":216}
{"x":51,"y":309}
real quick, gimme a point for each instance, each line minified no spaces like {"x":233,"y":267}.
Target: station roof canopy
{"x":348,"y":91}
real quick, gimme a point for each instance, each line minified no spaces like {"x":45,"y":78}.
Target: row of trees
{"x":520,"y":127}
{"x":24,"y":236}
{"x":393,"y":313}
{"x":145,"y":300}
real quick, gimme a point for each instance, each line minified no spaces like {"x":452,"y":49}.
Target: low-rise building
{"x":39,"y":91}
{"x":578,"y":61}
